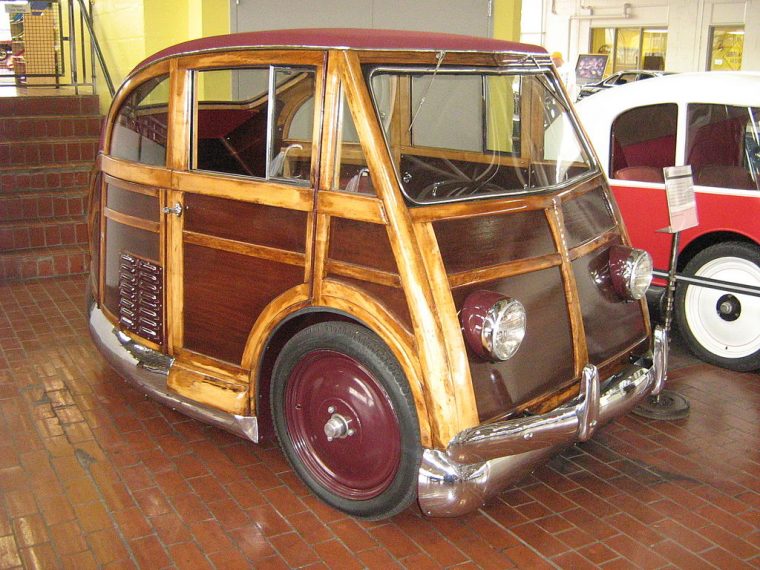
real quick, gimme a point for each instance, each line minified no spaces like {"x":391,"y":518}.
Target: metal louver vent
{"x":140,"y":297}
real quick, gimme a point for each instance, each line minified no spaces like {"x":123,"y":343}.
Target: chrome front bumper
{"x":480,"y":462}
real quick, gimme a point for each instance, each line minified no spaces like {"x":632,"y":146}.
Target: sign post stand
{"x":682,"y":211}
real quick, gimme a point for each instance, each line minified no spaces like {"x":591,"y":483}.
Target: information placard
{"x":682,"y":204}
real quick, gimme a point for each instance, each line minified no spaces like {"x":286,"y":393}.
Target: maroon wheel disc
{"x":342,"y":425}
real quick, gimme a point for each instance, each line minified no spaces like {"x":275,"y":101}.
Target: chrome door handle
{"x":176,"y":209}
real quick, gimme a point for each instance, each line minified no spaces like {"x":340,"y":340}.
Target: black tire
{"x":719,"y":327}
{"x":370,"y":468}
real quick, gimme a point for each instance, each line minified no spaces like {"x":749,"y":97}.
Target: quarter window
{"x":723,"y":146}
{"x":643,"y":142}
{"x":255,"y":122}
{"x":140,"y":128}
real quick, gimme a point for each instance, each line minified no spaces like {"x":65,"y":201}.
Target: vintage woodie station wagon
{"x":368,"y":240}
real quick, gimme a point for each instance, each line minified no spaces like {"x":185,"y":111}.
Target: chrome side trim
{"x":481,"y":461}
{"x":147,"y":371}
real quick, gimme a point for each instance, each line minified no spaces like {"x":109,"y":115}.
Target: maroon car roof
{"x":346,"y":38}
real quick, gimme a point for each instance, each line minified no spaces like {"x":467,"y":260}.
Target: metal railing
{"x":54,"y":45}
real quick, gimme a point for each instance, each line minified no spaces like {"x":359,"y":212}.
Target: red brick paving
{"x":94,"y":475}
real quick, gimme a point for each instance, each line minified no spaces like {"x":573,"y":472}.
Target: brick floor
{"x":94,"y":475}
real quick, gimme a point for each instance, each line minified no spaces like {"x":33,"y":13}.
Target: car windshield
{"x":457,"y":134}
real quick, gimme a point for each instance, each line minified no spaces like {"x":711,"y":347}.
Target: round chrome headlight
{"x":631,"y":271}
{"x":493,"y":325}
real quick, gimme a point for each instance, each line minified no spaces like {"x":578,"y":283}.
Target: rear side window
{"x":723,"y":146}
{"x":140,"y":129}
{"x":644,"y":142}
{"x":255,"y":122}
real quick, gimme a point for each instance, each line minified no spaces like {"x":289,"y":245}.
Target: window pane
{"x":627,"y":49}
{"x":654,"y":45}
{"x":643,"y":142}
{"x":457,"y":135}
{"x":232,"y":130}
{"x":139,"y":131}
{"x":602,"y":42}
{"x":722,"y":145}
{"x":726,"y":48}
{"x":352,"y":173}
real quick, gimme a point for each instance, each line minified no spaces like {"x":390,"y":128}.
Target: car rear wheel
{"x":346,"y":420}
{"x":722,"y":328}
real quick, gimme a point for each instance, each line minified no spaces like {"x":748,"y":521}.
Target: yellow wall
{"x":506,"y":19}
{"x":129,"y":31}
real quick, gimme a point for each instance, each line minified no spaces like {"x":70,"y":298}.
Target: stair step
{"x":43,"y":262}
{"x":28,"y":234}
{"x":37,"y":152}
{"x":47,"y":126}
{"x":42,"y":205}
{"x":46,"y":177}
{"x":49,"y":105}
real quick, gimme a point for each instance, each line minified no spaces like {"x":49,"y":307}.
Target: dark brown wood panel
{"x":544,"y":362}
{"x":133,"y":203}
{"x":612,"y":325}
{"x":361,"y":243}
{"x":392,"y":298}
{"x":482,"y":241}
{"x":224,"y":294}
{"x":119,"y":239}
{"x":243,"y":221}
{"x":587,"y":216}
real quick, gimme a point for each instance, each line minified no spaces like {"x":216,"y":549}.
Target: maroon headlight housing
{"x":631,"y":271}
{"x":493,"y":325}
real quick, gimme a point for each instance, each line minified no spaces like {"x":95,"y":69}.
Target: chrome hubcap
{"x":337,"y":427}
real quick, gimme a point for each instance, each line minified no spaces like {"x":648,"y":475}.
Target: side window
{"x":643,"y":142}
{"x":723,"y":146}
{"x":352,"y":173}
{"x":139,"y":131}
{"x":255,"y":122}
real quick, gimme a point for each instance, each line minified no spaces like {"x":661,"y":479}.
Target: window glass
{"x":140,"y":129}
{"x":630,"y":48}
{"x":643,"y":142}
{"x":726,"y":48}
{"x":238,"y":130}
{"x":458,"y":134}
{"x":723,"y":146}
{"x":352,"y":173}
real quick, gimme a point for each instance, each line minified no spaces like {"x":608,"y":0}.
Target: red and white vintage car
{"x":710,"y":121}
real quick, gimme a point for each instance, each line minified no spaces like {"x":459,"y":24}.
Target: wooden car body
{"x":235,"y":209}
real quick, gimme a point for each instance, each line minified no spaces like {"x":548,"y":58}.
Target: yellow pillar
{"x":506,"y":19}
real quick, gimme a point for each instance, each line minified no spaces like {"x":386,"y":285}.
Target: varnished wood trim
{"x":580,"y":349}
{"x":137,"y":172}
{"x":174,"y":276}
{"x":321,"y":245}
{"x":132,"y":221}
{"x":428,"y":57}
{"x":243,"y":248}
{"x":131,"y":187}
{"x":137,"y":338}
{"x":341,"y":204}
{"x":594,"y":244}
{"x":503,"y":270}
{"x":203,"y":363}
{"x":492,"y":206}
{"x":210,"y":389}
{"x":450,"y":410}
{"x":103,"y":250}
{"x":273,"y":314}
{"x":180,"y":114}
{"x":579,"y":190}
{"x":399,"y":340}
{"x":251,"y":58}
{"x":362,"y":273}
{"x":256,"y":191}
{"x":329,"y":131}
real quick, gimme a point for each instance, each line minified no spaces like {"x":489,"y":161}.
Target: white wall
{"x":567,"y":23}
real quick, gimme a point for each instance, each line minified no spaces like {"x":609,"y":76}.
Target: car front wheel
{"x":722,"y":328}
{"x":345,"y":419}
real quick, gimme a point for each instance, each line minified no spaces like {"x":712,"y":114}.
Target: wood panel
{"x":544,"y":362}
{"x":586,"y":216}
{"x":483,"y":241}
{"x":392,"y":298}
{"x":224,"y":294}
{"x":611,"y":324}
{"x":362,"y":244}
{"x":279,"y":228}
